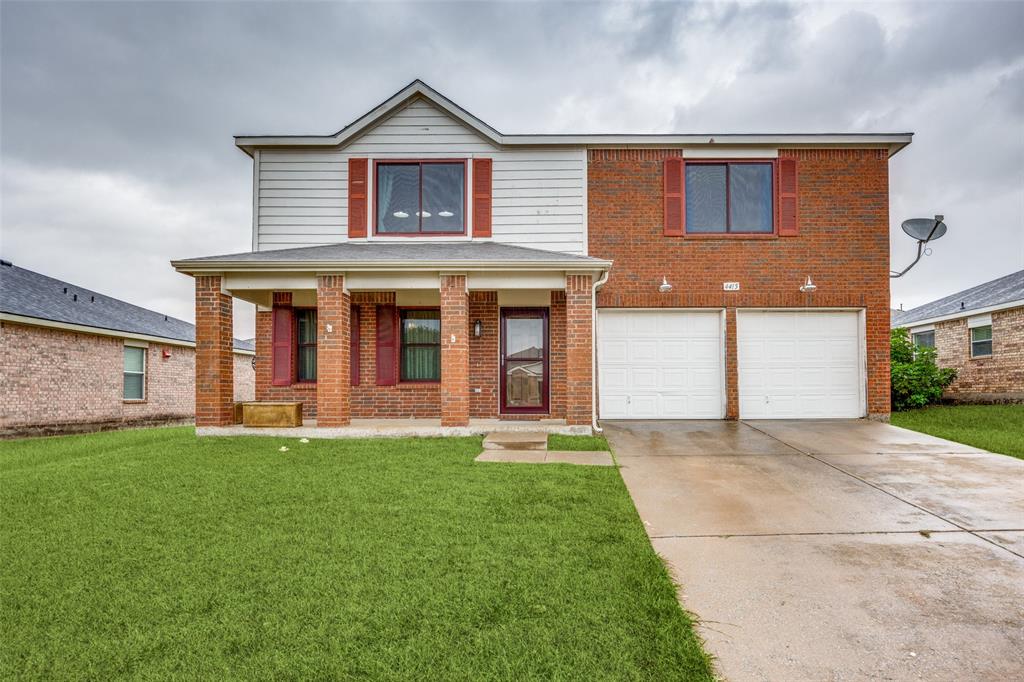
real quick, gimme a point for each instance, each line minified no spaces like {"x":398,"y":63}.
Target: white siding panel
{"x":539,"y":195}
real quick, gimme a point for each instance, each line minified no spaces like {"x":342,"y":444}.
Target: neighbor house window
{"x":924,"y":339}
{"x":728,"y":198}
{"x":421,"y":197}
{"x":134,"y":373}
{"x":421,"y":345}
{"x":981,"y":341}
{"x":305,"y":342}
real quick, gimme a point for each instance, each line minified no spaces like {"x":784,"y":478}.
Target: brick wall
{"x":843,"y":244}
{"x":999,"y":378}
{"x":54,"y":381}
{"x":483,"y":355}
{"x":215,"y":365}
{"x":454,"y":351}
{"x":578,"y":349}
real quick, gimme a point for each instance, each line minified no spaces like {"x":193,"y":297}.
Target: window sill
{"x":714,"y":235}
{"x":416,"y":384}
{"x":133,"y":401}
{"x":981,"y":357}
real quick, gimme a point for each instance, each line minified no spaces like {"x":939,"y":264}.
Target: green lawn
{"x":591,"y":443}
{"x":153,"y":554}
{"x":999,"y":428}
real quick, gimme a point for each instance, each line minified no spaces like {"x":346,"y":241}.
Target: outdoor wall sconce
{"x":664,"y":287}
{"x":478,"y":328}
{"x":808,"y":287}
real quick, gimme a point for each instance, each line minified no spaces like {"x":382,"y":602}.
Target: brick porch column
{"x":333,"y":355}
{"x":215,"y":375}
{"x":454,"y":351}
{"x":578,"y":349}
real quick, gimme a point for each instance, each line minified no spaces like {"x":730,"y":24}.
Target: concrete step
{"x":516,"y":440}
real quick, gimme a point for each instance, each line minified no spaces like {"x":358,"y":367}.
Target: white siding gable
{"x":539,"y":195}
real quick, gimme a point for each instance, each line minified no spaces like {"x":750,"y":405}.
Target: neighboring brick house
{"x":420,"y":264}
{"x":980,"y":333}
{"x":73,"y":360}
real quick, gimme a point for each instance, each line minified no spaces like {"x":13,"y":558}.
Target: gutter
{"x":959,"y":314}
{"x":192,"y":267}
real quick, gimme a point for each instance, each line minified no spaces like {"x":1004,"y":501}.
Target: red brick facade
{"x":333,"y":371}
{"x":843,"y":243}
{"x":61,"y":381}
{"x":214,"y":361}
{"x":579,"y":365}
{"x":999,"y":378}
{"x":454,"y":351}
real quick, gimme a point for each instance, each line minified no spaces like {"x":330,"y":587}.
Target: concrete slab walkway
{"x":835,"y":550}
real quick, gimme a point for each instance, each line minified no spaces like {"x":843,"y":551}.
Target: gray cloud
{"x":117,"y":117}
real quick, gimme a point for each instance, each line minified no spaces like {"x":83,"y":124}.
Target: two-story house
{"x":420,"y":264}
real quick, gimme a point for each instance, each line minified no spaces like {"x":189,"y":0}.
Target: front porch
{"x":406,"y":345}
{"x":400,"y":428}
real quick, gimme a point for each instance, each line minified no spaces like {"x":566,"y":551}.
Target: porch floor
{"x":397,"y":428}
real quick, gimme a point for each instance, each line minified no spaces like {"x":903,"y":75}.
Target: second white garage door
{"x":664,"y":364}
{"x":795,"y":365}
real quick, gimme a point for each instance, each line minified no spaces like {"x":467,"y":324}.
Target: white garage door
{"x":659,"y":364}
{"x":796,"y":365}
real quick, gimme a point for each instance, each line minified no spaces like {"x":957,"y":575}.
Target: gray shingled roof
{"x":30,"y":294}
{"x":369,"y":252}
{"x":998,"y":291}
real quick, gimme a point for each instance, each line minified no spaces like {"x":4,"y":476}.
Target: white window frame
{"x":989,"y":340}
{"x":143,"y":348}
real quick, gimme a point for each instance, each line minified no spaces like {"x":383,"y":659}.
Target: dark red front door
{"x":524,"y":360}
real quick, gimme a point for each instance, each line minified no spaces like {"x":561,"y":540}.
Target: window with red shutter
{"x":482,"y":197}
{"x":357,"y":198}
{"x":387,"y":336}
{"x":674,"y":201}
{"x":281,"y":346}
{"x":789,"y":218}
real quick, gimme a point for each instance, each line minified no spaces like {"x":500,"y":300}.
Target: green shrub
{"x":916,"y":379}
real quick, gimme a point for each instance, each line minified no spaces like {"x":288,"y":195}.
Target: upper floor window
{"x":733,"y":197}
{"x":421,"y":197}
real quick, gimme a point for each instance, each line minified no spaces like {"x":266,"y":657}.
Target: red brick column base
{"x":579,"y":349}
{"x":454,"y":351}
{"x":333,"y":354}
{"x":215,"y":366}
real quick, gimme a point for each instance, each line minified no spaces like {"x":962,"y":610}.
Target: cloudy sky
{"x":117,"y":118}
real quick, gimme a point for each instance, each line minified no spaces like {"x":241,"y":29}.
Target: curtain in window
{"x":421,"y":345}
{"x":398,"y":198}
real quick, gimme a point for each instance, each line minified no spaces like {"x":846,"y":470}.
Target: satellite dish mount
{"x":923,"y":230}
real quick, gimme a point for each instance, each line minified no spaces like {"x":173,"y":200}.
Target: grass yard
{"x":998,"y":428}
{"x":154,"y":554}
{"x":591,"y":443}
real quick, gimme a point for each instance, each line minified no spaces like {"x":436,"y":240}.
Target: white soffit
{"x":717,"y":152}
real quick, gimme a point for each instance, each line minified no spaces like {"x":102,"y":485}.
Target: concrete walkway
{"x":836,"y":550}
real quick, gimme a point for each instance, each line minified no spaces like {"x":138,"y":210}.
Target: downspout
{"x":593,"y":350}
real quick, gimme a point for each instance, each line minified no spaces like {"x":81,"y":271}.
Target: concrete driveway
{"x":835,"y":550}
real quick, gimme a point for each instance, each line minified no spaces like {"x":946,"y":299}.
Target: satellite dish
{"x":925,"y":229}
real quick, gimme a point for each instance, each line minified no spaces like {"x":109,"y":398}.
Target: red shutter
{"x":675,"y":206}
{"x":354,"y":342}
{"x":482,"y":197}
{"x":387,"y":345}
{"x":789,"y":219}
{"x":357,"y":198}
{"x":281,"y":347}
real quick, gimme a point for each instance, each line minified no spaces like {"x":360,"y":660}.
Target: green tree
{"x":916,"y":379}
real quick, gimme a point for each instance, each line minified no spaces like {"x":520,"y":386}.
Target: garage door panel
{"x":663,"y":364}
{"x":799,"y":365}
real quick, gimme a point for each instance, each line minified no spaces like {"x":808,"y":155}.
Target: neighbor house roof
{"x":1005,"y":292}
{"x":467,"y":255}
{"x":418,"y":89}
{"x":27,"y":296}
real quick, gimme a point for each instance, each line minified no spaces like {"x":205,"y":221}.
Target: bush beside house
{"x":917,"y":380}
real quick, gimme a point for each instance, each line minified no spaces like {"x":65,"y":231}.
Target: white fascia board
{"x":218,"y":267}
{"x":99,"y":331}
{"x":894,"y":142}
{"x":961,"y":314}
